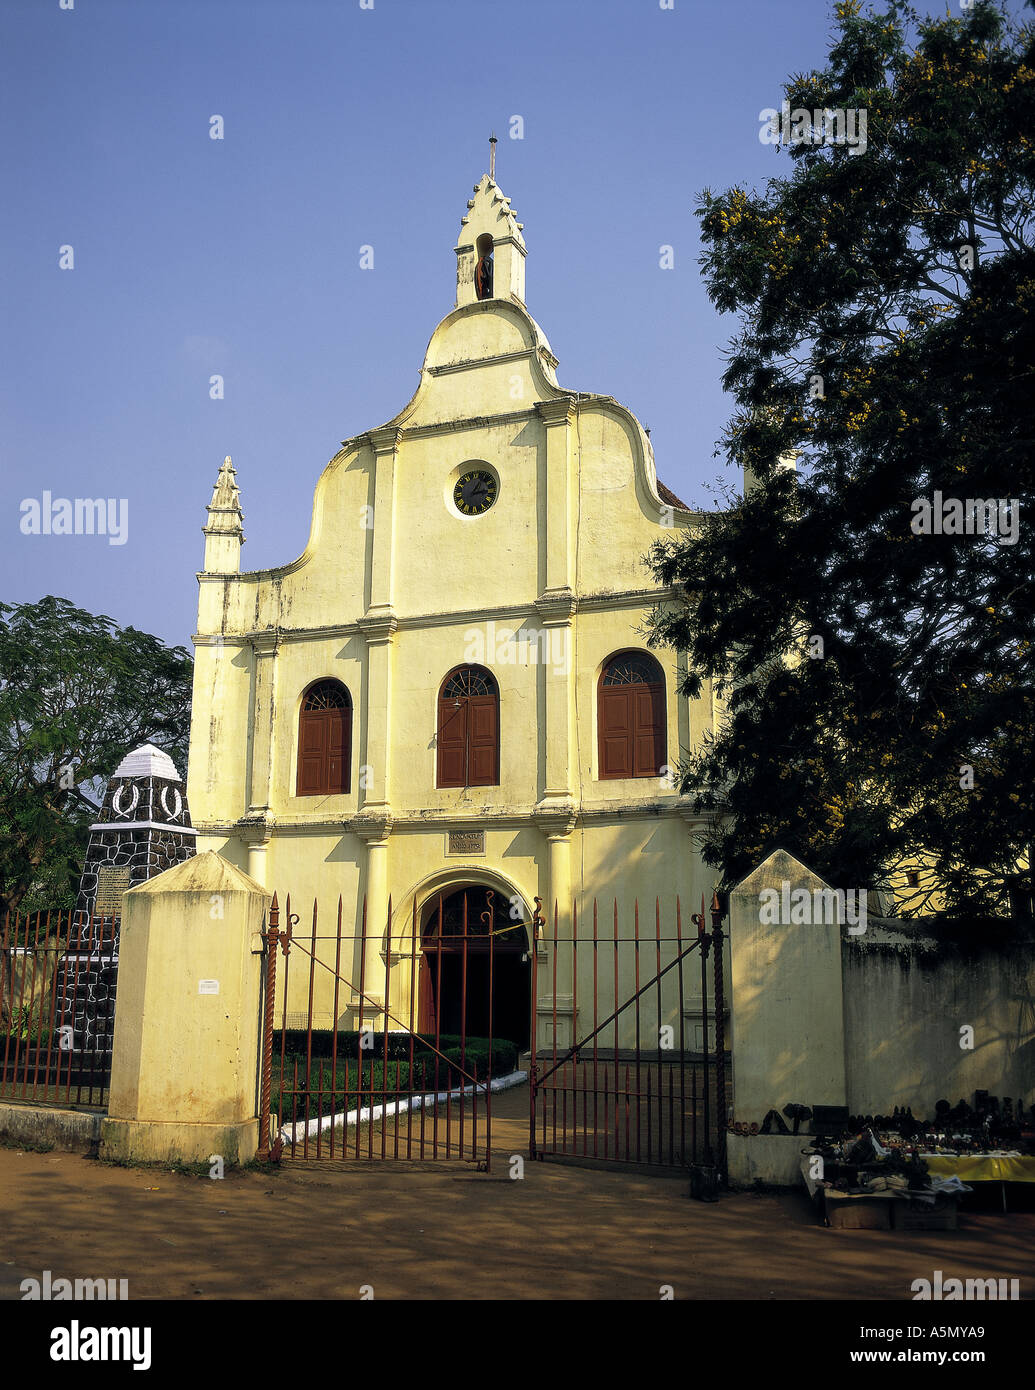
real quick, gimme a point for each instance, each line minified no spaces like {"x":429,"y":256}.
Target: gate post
{"x":185,"y":1058}
{"x":269,"y":1004}
{"x":787,"y":1010}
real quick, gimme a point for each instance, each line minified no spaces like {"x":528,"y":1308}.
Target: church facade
{"x":449,"y":689}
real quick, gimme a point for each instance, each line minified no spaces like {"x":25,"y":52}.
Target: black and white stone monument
{"x":143,"y":828}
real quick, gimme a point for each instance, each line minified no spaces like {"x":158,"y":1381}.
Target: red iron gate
{"x":646,"y":1083}
{"x":407,"y":1090}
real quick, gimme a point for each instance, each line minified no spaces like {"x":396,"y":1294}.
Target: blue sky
{"x":343,"y":127}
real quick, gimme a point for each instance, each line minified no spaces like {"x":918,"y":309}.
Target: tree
{"x":76,"y":694}
{"x":877,"y":665}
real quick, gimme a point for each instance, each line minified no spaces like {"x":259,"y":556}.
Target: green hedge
{"x":29,"y":1024}
{"x":354,"y":1081}
{"x":296,"y":1043}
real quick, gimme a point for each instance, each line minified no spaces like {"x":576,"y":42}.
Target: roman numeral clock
{"x":475,"y":492}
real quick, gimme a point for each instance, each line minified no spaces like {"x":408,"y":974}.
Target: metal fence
{"x":57,"y":1007}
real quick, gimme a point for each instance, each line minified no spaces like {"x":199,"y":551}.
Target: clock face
{"x":475,"y":492}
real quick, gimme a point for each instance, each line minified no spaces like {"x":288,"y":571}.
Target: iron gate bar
{"x":487,"y":919}
{"x":636,"y":997}
{"x":616,"y":1034}
{"x":596,"y":1112}
{"x":682,"y":1042}
{"x":720,"y":1036}
{"x":555,"y":954}
{"x":334,"y":1039}
{"x":413,"y":976}
{"x":702,"y":938}
{"x":534,"y":1028}
{"x":28,"y":1031}
{"x":463,"y":996}
{"x":359,"y":1039}
{"x":574,"y":1004}
{"x":657,"y":938}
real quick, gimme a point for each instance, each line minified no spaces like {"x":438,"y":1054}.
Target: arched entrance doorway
{"x":454,"y":980}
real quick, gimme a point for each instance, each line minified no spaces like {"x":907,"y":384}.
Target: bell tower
{"x":490,"y":251}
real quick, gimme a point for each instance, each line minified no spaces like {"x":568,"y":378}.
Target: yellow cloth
{"x":980,"y":1167}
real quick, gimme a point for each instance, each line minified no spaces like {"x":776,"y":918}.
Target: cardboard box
{"x":908,"y":1215}
{"x":845,"y":1212}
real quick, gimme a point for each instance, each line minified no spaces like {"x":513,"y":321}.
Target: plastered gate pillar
{"x":787,"y":1012}
{"x":187,"y":1026}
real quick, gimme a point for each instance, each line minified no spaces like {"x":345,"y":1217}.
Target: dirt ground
{"x":441,"y":1230}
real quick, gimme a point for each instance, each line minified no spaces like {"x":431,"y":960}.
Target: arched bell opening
{"x":483,"y":267}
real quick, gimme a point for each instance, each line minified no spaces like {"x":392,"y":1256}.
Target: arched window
{"x":468,"y":729}
{"x":324,"y":740}
{"x":631,"y":716}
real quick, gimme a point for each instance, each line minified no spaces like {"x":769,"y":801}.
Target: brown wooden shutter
{"x":338,"y":729}
{"x":324,"y":752}
{"x":312,"y":752}
{"x":452,"y":744}
{"x":483,"y":741}
{"x":648,"y":730}
{"x":615,"y":720}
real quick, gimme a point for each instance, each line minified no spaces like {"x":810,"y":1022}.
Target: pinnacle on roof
{"x":224,"y":510}
{"x":226,"y":495}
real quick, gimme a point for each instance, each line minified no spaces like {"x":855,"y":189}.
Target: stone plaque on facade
{"x":466,"y":842}
{"x":111,"y":885}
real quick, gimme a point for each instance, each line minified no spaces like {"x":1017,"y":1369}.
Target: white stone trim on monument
{"x":147,"y":761}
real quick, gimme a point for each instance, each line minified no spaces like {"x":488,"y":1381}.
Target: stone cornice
{"x":556,"y":822}
{"x":472,"y":422}
{"x":628,"y":598}
{"x":556,"y":412}
{"x":556,"y":607}
{"x":521,"y":356}
{"x":372,"y":825}
{"x":385,"y":439}
{"x":378,"y":626}
{"x":253,"y":830}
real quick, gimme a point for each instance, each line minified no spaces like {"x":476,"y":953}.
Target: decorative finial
{"x":492,"y":157}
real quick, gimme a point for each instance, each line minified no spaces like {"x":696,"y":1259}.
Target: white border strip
{"x":143,"y":825}
{"x":295,"y":1132}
